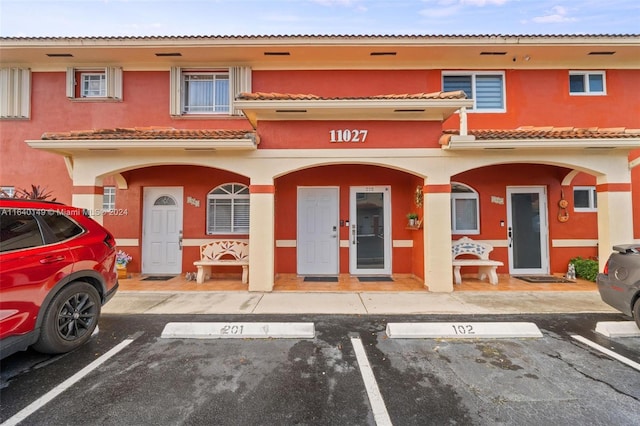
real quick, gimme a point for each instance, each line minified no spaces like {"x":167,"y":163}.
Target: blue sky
{"x":36,"y":18}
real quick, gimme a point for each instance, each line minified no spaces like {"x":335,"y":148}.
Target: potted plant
{"x":122,"y":259}
{"x":413,"y":218}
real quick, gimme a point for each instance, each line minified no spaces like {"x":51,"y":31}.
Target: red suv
{"x":57,"y":269}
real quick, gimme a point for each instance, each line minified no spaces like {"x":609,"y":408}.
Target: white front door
{"x":318,"y":237}
{"x":162,"y":230}
{"x":370,"y":230}
{"x":527,"y":230}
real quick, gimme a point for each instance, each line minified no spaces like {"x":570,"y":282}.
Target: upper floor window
{"x":485,"y":88}
{"x":15,"y":93}
{"x":587,"y":83}
{"x":207,"y":92}
{"x":465,"y":212}
{"x":109,"y":198}
{"x":228,"y":209}
{"x":585,"y":199}
{"x":94,"y":83}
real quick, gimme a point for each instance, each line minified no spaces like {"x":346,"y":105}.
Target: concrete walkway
{"x":365,"y":303}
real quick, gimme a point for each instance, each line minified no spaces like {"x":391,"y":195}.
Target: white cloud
{"x":445,"y":8}
{"x":557,"y":14}
{"x":482,"y":3}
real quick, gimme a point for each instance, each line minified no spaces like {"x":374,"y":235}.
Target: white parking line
{"x":44,"y":399}
{"x":380,"y":414}
{"x":608,"y":352}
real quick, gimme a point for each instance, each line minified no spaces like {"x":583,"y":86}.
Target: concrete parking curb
{"x":379,"y":303}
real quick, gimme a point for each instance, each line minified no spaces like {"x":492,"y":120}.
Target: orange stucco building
{"x":316,"y":148}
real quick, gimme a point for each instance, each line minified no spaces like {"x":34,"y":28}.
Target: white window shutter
{"x":71,"y":83}
{"x":240,"y":82}
{"x":15,"y":92}
{"x":175,"y":89}
{"x":114,"y":82}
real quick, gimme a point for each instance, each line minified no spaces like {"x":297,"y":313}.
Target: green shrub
{"x":585,"y":268}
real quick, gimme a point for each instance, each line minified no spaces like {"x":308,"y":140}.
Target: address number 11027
{"x":347,"y":135}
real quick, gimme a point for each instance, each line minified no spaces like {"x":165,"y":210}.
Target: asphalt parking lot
{"x":553,"y":379}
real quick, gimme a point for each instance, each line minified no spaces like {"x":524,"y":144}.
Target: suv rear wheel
{"x":70,"y":318}
{"x":636,"y":312}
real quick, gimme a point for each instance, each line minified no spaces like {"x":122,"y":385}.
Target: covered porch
{"x":346,"y":283}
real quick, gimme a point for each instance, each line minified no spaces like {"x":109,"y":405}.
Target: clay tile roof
{"x":147,"y":133}
{"x":550,"y":132}
{"x":262,"y":96}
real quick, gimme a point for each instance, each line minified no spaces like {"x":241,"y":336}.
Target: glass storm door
{"x":162,"y":231}
{"x":370,"y":230}
{"x":318,"y":241}
{"x":527,"y":230}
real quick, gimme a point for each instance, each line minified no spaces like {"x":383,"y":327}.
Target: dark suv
{"x":619,"y":284}
{"x":57,"y":269}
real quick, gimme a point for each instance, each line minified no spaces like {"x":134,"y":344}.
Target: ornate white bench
{"x":223,"y":253}
{"x":486,"y":267}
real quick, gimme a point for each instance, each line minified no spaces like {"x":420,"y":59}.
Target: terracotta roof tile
{"x":148,"y":133}
{"x":262,"y":96}
{"x":550,"y":132}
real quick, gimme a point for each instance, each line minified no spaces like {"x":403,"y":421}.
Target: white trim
{"x":127,"y":242}
{"x":574,"y":243}
{"x":402,"y":243}
{"x":286,"y":243}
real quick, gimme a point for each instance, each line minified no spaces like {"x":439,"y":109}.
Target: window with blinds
{"x":228,"y":209}
{"x":486,"y":89}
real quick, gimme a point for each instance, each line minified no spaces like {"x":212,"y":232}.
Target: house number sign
{"x":347,"y":135}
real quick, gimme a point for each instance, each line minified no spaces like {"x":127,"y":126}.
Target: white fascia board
{"x":144,"y":144}
{"x":462,"y":143}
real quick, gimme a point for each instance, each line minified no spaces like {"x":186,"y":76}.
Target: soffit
{"x":329,"y":52}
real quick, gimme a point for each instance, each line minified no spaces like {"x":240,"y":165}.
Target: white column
{"x":261,"y":237}
{"x":88,"y":194}
{"x":615,"y":218}
{"x":438,"y":273}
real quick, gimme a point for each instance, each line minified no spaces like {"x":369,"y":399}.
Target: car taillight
{"x":110,"y":241}
{"x":606,"y":268}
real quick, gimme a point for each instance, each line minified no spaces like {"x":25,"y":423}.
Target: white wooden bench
{"x":486,"y":267}
{"x":223,"y":253}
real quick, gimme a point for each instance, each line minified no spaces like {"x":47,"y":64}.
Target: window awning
{"x":404,"y":107}
{"x":542,"y":138}
{"x":142,"y":139}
